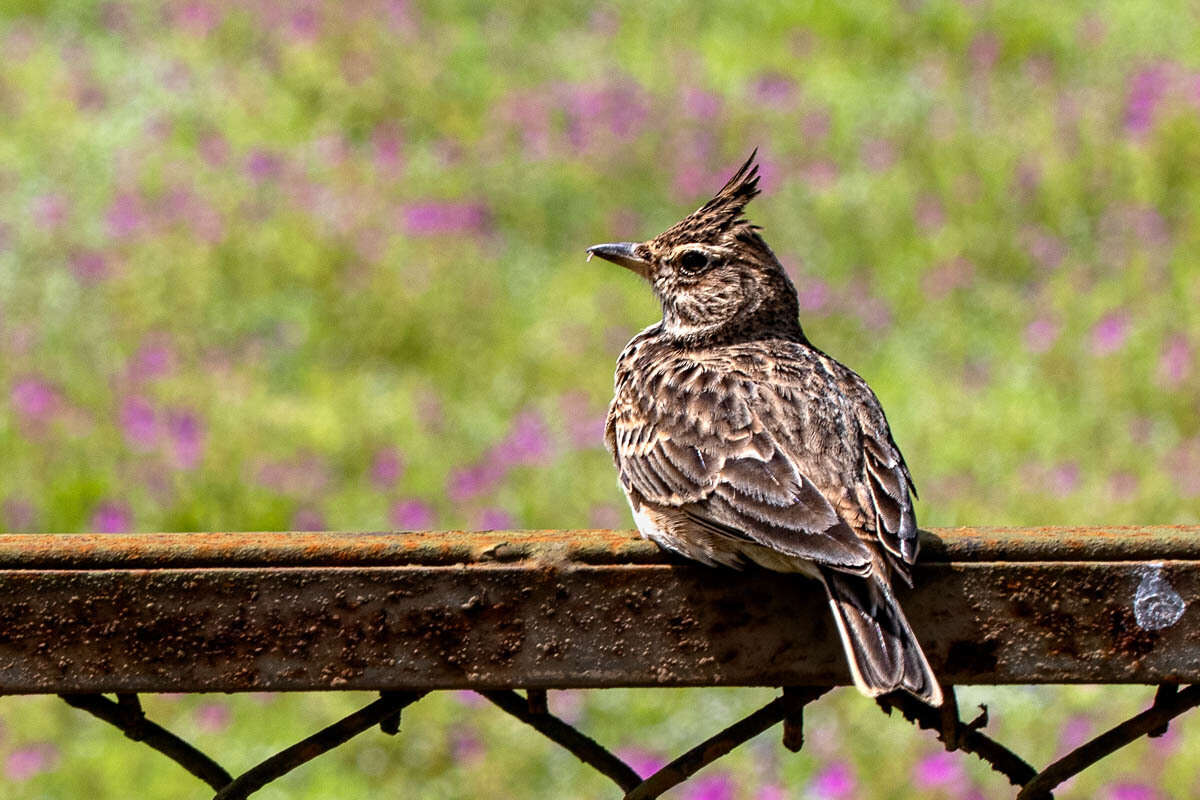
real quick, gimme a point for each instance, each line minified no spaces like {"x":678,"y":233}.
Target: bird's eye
{"x":693,"y":261}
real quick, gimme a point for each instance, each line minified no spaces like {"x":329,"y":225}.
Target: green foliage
{"x":321,"y":266}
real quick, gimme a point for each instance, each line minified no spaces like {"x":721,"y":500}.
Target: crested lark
{"x":737,"y":441}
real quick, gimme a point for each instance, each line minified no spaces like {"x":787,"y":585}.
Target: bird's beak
{"x":622,"y":253}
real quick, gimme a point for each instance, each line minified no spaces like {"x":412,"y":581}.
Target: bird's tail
{"x":880,"y":646}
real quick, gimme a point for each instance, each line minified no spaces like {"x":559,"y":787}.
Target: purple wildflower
{"x":49,"y":211}
{"x":814,"y":294}
{"x":387,"y":144}
{"x":606,"y":515}
{"x":263,"y":165}
{"x":308,"y":519}
{"x":1043,"y":247}
{"x":214,"y":149}
{"x":820,"y":173}
{"x":469,"y":699}
{"x":701,"y":105}
{"x":774,"y":89}
{"x":835,"y":781}
{"x":1141,"y":428}
{"x":644,"y":762}
{"x":139,"y":423}
{"x":181,"y":206}
{"x":186,"y":432}
{"x":1040,"y":335}
{"x":154,"y":359}
{"x":527,"y":443}
{"x":35,"y":400}
{"x":984,"y":52}
{"x":768,"y":171}
{"x":1122,"y":485}
{"x":1184,"y":464}
{"x":1150,"y":227}
{"x":112,"y":517}
{"x":930,"y":215}
{"x":567,"y":704}
{"x":619,"y":107}
{"x":1039,"y":69}
{"x":528,"y":115}
{"x":878,"y":154}
{"x":467,"y":483}
{"x":87,"y":92}
{"x":1110,"y":333}
{"x":815,"y":126}
{"x":1076,"y":731}
{"x":305,"y":476}
{"x":198,"y":18}
{"x":1027,"y":178}
{"x":1168,"y":743}
{"x":1132,"y":791}
{"x":938,"y":771}
{"x":434,"y":218}
{"x":386,"y":468}
{"x":89,"y":266}
{"x":125,"y":216}
{"x":771,"y":791}
{"x":18,"y":514}
{"x":1064,"y":478}
{"x":872,"y":311}
{"x":411,"y":515}
{"x":466,"y":746}
{"x":496,"y":519}
{"x":690,"y":178}
{"x":25,"y":762}
{"x":331,"y":150}
{"x":213,"y":717}
{"x":305,"y":24}
{"x":585,"y":428}
{"x":710,"y":787}
{"x":1146,"y":90}
{"x":1175,"y":363}
{"x":400,"y":14}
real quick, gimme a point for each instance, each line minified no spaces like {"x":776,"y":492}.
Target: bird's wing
{"x":888,"y":483}
{"x":710,"y":443}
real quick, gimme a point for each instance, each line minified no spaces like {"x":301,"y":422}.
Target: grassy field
{"x":321,"y":267}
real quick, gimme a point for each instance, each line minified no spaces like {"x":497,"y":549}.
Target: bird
{"x":738,"y":442}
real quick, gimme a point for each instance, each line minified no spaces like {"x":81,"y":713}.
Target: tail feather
{"x":880,"y":646}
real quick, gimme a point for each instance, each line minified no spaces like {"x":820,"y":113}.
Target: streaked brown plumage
{"x":737,"y":441}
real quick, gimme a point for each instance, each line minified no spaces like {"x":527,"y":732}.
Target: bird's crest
{"x":721,"y":215}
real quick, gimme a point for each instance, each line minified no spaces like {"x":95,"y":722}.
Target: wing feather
{"x":716,"y":459}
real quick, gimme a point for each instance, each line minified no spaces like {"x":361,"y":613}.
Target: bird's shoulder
{"x":755,"y":397}
{"x":774,"y":377}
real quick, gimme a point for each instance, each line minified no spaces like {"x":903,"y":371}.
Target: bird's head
{"x":712,"y":272}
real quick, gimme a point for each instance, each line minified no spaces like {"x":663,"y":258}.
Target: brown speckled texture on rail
{"x":435,"y":610}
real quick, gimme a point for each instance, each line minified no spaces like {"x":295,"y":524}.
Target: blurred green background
{"x":320,"y":266}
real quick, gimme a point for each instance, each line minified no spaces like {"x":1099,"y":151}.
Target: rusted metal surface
{"x":438,"y":548}
{"x":422,"y":611}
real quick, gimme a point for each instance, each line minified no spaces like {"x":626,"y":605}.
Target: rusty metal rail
{"x":263,"y":612}
{"x":408,"y":613}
